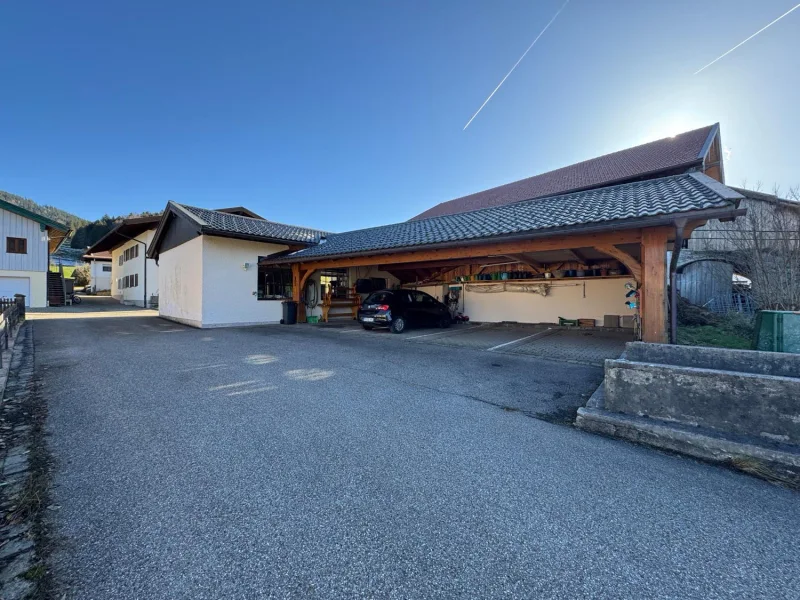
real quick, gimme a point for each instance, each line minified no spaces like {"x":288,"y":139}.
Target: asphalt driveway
{"x":285,"y":462}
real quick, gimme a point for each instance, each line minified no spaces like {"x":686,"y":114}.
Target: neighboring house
{"x":767,"y":214}
{"x":698,"y":150}
{"x":134,"y":278}
{"x":28,"y":240}
{"x":208,"y":265}
{"x":99,"y":270}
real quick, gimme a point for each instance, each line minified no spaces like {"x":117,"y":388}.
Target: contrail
{"x":750,"y":38}
{"x":517,"y":63}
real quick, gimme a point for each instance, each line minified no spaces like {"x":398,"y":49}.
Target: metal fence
{"x":12,"y":311}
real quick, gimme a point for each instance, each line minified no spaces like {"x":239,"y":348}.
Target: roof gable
{"x":663,"y":157}
{"x":10,"y":207}
{"x":126,"y":230}
{"x":226,"y":224}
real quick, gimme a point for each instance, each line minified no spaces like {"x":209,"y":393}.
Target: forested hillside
{"x":85,"y":233}
{"x":51,"y":212}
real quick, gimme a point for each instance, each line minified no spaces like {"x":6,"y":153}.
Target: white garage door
{"x":15,"y":285}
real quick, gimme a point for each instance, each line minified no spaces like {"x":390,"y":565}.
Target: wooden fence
{"x":12,"y":311}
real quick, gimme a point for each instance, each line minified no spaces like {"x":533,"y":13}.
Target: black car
{"x":398,"y":309}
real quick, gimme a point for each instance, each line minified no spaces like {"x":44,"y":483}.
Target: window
{"x":106,"y":268}
{"x":274,"y":283}
{"x":16,"y":245}
{"x":135,"y":280}
{"x":422,"y":298}
{"x":379,"y":298}
{"x":135,"y":251}
{"x":120,"y":260}
{"x":335,"y":281}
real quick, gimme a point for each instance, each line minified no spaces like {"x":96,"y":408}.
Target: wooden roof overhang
{"x":617,"y":239}
{"x":639,"y":244}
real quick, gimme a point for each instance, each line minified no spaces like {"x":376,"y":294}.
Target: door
{"x":425,"y":309}
{"x":16,"y":285}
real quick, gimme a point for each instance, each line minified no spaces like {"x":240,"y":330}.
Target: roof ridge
{"x":227,"y":214}
{"x":600,"y":174}
{"x":605,"y":189}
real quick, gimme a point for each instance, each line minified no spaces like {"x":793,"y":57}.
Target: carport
{"x":615,"y":233}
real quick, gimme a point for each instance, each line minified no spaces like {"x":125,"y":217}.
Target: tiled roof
{"x":214,"y":221}
{"x":650,"y":198}
{"x":659,"y":157}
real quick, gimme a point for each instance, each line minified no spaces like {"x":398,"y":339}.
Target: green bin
{"x":777,"y":331}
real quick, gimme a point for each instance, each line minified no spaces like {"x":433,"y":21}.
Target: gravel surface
{"x":284,"y":462}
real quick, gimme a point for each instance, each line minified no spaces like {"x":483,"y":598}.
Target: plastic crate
{"x":777,"y":331}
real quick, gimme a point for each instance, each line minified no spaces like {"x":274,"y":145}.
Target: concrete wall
{"x":14,"y":225}
{"x":134,"y":295}
{"x":180,"y":284}
{"x":36,"y":296}
{"x":733,"y":391}
{"x":566,"y":298}
{"x":230,"y":291}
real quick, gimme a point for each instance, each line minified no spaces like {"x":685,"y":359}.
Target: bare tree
{"x":764,"y":246}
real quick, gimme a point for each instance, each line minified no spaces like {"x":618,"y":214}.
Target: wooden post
{"x":296,"y":282}
{"x":654,"y":285}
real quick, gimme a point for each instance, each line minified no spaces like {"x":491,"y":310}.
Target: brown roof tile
{"x":662,"y":157}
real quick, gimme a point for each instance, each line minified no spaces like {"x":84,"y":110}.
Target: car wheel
{"x":444,"y":322}
{"x":368,"y":327}
{"x":398,"y":325}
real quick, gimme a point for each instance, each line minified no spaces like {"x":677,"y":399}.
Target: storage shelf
{"x":540,"y":280}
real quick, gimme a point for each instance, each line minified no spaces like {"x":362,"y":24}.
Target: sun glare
{"x":670,"y":126}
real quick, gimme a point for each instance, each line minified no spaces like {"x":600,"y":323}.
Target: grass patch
{"x":68,"y":271}
{"x":700,"y":327}
{"x":713,"y":335}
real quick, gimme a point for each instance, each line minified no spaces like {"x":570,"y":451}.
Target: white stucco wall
{"x":135,"y":295}
{"x":229,"y":291}
{"x":565,"y":299}
{"x":101,"y":280}
{"x":180,"y":274}
{"x":37,"y":286}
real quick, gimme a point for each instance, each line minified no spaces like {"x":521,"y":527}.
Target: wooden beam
{"x":575,"y":255}
{"x":433,"y":264}
{"x":631,"y":236}
{"x":626,"y":259}
{"x":653,"y":293}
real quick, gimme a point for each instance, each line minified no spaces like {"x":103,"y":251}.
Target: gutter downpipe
{"x":144,"y":254}
{"x":680,"y":225}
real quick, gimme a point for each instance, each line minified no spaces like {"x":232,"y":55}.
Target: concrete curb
{"x":699,"y":443}
{"x":6,"y":356}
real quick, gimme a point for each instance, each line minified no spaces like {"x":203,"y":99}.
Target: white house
{"x":208,"y":265}
{"x":134,"y":278}
{"x":99,"y":271}
{"x":28,"y":241}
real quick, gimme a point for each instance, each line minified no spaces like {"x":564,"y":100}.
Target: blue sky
{"x":342,"y":115}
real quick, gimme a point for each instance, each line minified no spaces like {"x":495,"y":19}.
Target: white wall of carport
{"x":565,"y":299}
{"x":180,"y":274}
{"x":229,"y":291}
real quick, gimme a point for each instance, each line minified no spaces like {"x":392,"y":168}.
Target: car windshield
{"x":379,"y":298}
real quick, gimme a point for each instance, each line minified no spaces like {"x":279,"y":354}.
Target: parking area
{"x":586,"y":346}
{"x":300,"y":462}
